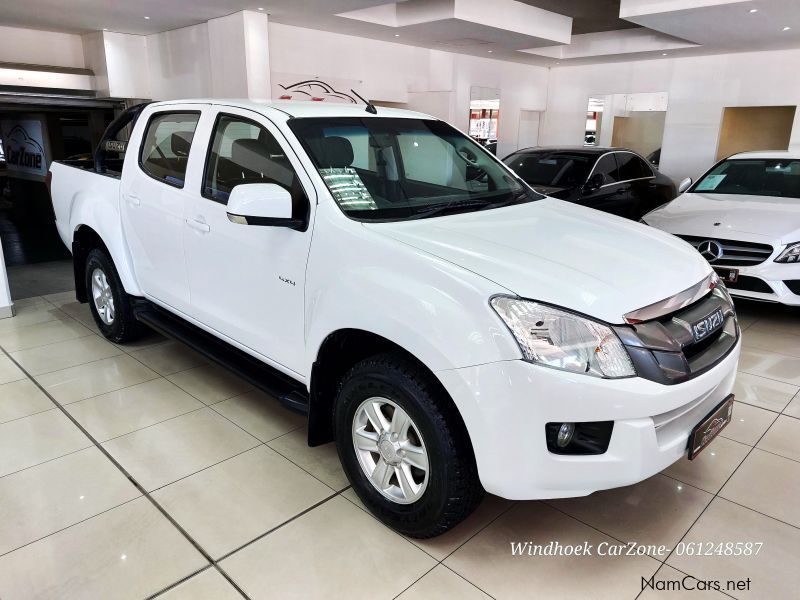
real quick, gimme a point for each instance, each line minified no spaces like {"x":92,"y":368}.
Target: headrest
{"x":251,"y":154}
{"x":181,"y":142}
{"x":337,"y":152}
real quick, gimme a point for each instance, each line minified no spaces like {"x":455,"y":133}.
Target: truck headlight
{"x":790,"y":255}
{"x":563,"y":340}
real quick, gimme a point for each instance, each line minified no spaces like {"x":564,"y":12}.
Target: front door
{"x":248,"y":281}
{"x":152,"y":204}
{"x":613,"y":194}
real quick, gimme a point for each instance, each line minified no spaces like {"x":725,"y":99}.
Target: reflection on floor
{"x":229,"y":501}
{"x":40,"y":279}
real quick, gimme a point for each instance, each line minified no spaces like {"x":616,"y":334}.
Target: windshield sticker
{"x":709,"y":183}
{"x":348,"y":189}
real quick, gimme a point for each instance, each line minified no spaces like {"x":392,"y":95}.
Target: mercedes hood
{"x":764,"y":219}
{"x":560,"y":253}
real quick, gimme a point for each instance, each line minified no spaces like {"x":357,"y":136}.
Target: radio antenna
{"x":370,"y":106}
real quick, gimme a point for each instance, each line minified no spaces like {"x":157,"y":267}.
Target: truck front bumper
{"x":505,"y":406}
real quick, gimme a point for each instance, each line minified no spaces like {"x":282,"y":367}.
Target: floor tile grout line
{"x":69,"y":339}
{"x":44,"y":462}
{"x":469,"y":539}
{"x":136,"y":484}
{"x":264,"y":534}
{"x":33,"y":414}
{"x":457,"y":574}
{"x":413,"y":583}
{"x":175,"y":584}
{"x":762,"y":407}
{"x":71,"y":525}
{"x":783,"y":381}
{"x":281,"y":454}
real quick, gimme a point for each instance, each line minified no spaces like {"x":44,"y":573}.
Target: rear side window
{"x":607,"y":166}
{"x":166,"y":145}
{"x":632,"y":167}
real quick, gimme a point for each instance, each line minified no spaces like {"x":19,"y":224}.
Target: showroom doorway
{"x":35,"y":129}
{"x":755,"y":128}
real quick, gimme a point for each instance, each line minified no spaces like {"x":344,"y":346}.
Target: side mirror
{"x":684,"y":185}
{"x":595,"y":182}
{"x":265,"y":204}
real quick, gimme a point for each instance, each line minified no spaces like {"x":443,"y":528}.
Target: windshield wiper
{"x":438,"y":209}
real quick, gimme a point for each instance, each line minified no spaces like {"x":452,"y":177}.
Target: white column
{"x":239,"y":49}
{"x":6,"y":305}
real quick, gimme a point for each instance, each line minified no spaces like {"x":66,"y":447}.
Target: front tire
{"x":404,"y":447}
{"x":108,"y":301}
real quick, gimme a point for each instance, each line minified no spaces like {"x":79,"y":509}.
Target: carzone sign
{"x":24,"y":149}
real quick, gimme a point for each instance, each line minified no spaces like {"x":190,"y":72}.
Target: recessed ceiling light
{"x":786,"y":28}
{"x":753,"y":10}
{"x":260,"y":8}
{"x":490,"y":51}
{"x":396,"y":35}
{"x":147,"y":18}
{"x":663,"y":54}
{"x":105,"y":28}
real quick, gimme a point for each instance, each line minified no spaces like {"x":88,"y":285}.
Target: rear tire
{"x":414,"y":466}
{"x":110,"y":305}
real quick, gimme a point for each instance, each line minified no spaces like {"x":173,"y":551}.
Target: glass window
{"x":753,"y":177}
{"x":384,"y":168}
{"x":245,"y":152}
{"x":166,"y":145}
{"x":607,"y":167}
{"x":552,"y":169}
{"x":632,"y":167}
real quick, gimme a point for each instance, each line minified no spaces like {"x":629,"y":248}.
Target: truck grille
{"x":664,"y":349}
{"x":729,"y":253}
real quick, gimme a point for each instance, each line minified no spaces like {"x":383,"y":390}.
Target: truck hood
{"x":560,"y":253}
{"x":759,"y":218}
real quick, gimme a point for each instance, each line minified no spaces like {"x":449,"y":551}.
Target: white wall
{"x":428,"y":80}
{"x":40,"y":47}
{"x":179,"y":63}
{"x":698,"y":87}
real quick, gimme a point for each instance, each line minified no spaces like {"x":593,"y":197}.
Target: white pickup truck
{"x":452,"y":330}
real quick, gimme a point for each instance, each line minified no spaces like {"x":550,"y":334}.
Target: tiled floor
{"x":141,"y":471}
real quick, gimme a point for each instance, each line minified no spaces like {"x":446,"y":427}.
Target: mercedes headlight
{"x":790,"y":255}
{"x":563,"y":340}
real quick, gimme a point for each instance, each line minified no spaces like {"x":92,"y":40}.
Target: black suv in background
{"x":614,"y":180}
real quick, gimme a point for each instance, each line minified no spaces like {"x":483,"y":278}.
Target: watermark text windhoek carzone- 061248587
{"x":555,"y":548}
{"x":692,"y":584}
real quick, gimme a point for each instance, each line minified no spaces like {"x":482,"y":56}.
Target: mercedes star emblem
{"x":710,"y":250}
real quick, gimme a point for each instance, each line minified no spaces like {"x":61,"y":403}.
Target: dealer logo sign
{"x":23,"y":147}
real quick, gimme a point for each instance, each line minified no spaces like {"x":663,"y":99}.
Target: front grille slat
{"x":734,"y":252}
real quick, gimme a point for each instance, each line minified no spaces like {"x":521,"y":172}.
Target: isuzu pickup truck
{"x":453,"y":331}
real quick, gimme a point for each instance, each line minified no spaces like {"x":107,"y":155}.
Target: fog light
{"x":565,"y":433}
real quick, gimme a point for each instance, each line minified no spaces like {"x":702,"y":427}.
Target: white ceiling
{"x":602,"y":30}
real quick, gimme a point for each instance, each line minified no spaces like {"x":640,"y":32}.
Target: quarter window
{"x":166,"y":145}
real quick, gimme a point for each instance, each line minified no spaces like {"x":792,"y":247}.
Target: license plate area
{"x":707,"y":429}
{"x":727,"y":275}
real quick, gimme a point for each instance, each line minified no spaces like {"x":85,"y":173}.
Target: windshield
{"x":384,"y":168}
{"x":754,"y":177}
{"x":553,"y":169}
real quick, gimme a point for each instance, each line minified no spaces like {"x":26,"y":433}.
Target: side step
{"x":292,"y":394}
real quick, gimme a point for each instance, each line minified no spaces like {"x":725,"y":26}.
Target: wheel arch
{"x":85,"y":239}
{"x":338,"y":352}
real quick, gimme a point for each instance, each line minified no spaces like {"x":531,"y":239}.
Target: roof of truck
{"x":303,"y":108}
{"x":769,"y":154}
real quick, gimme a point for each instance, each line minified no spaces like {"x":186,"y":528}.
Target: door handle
{"x":133,"y":199}
{"x":198,"y":225}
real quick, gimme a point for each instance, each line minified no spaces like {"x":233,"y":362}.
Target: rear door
{"x":612,"y":196}
{"x":153,"y":194}
{"x":248,"y":281}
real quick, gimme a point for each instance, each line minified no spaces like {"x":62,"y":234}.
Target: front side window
{"x":607,"y":167}
{"x":753,"y":177}
{"x":385,"y":168}
{"x":632,"y":167}
{"x":552,"y":169}
{"x":166,"y":145}
{"x":242,"y":152}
